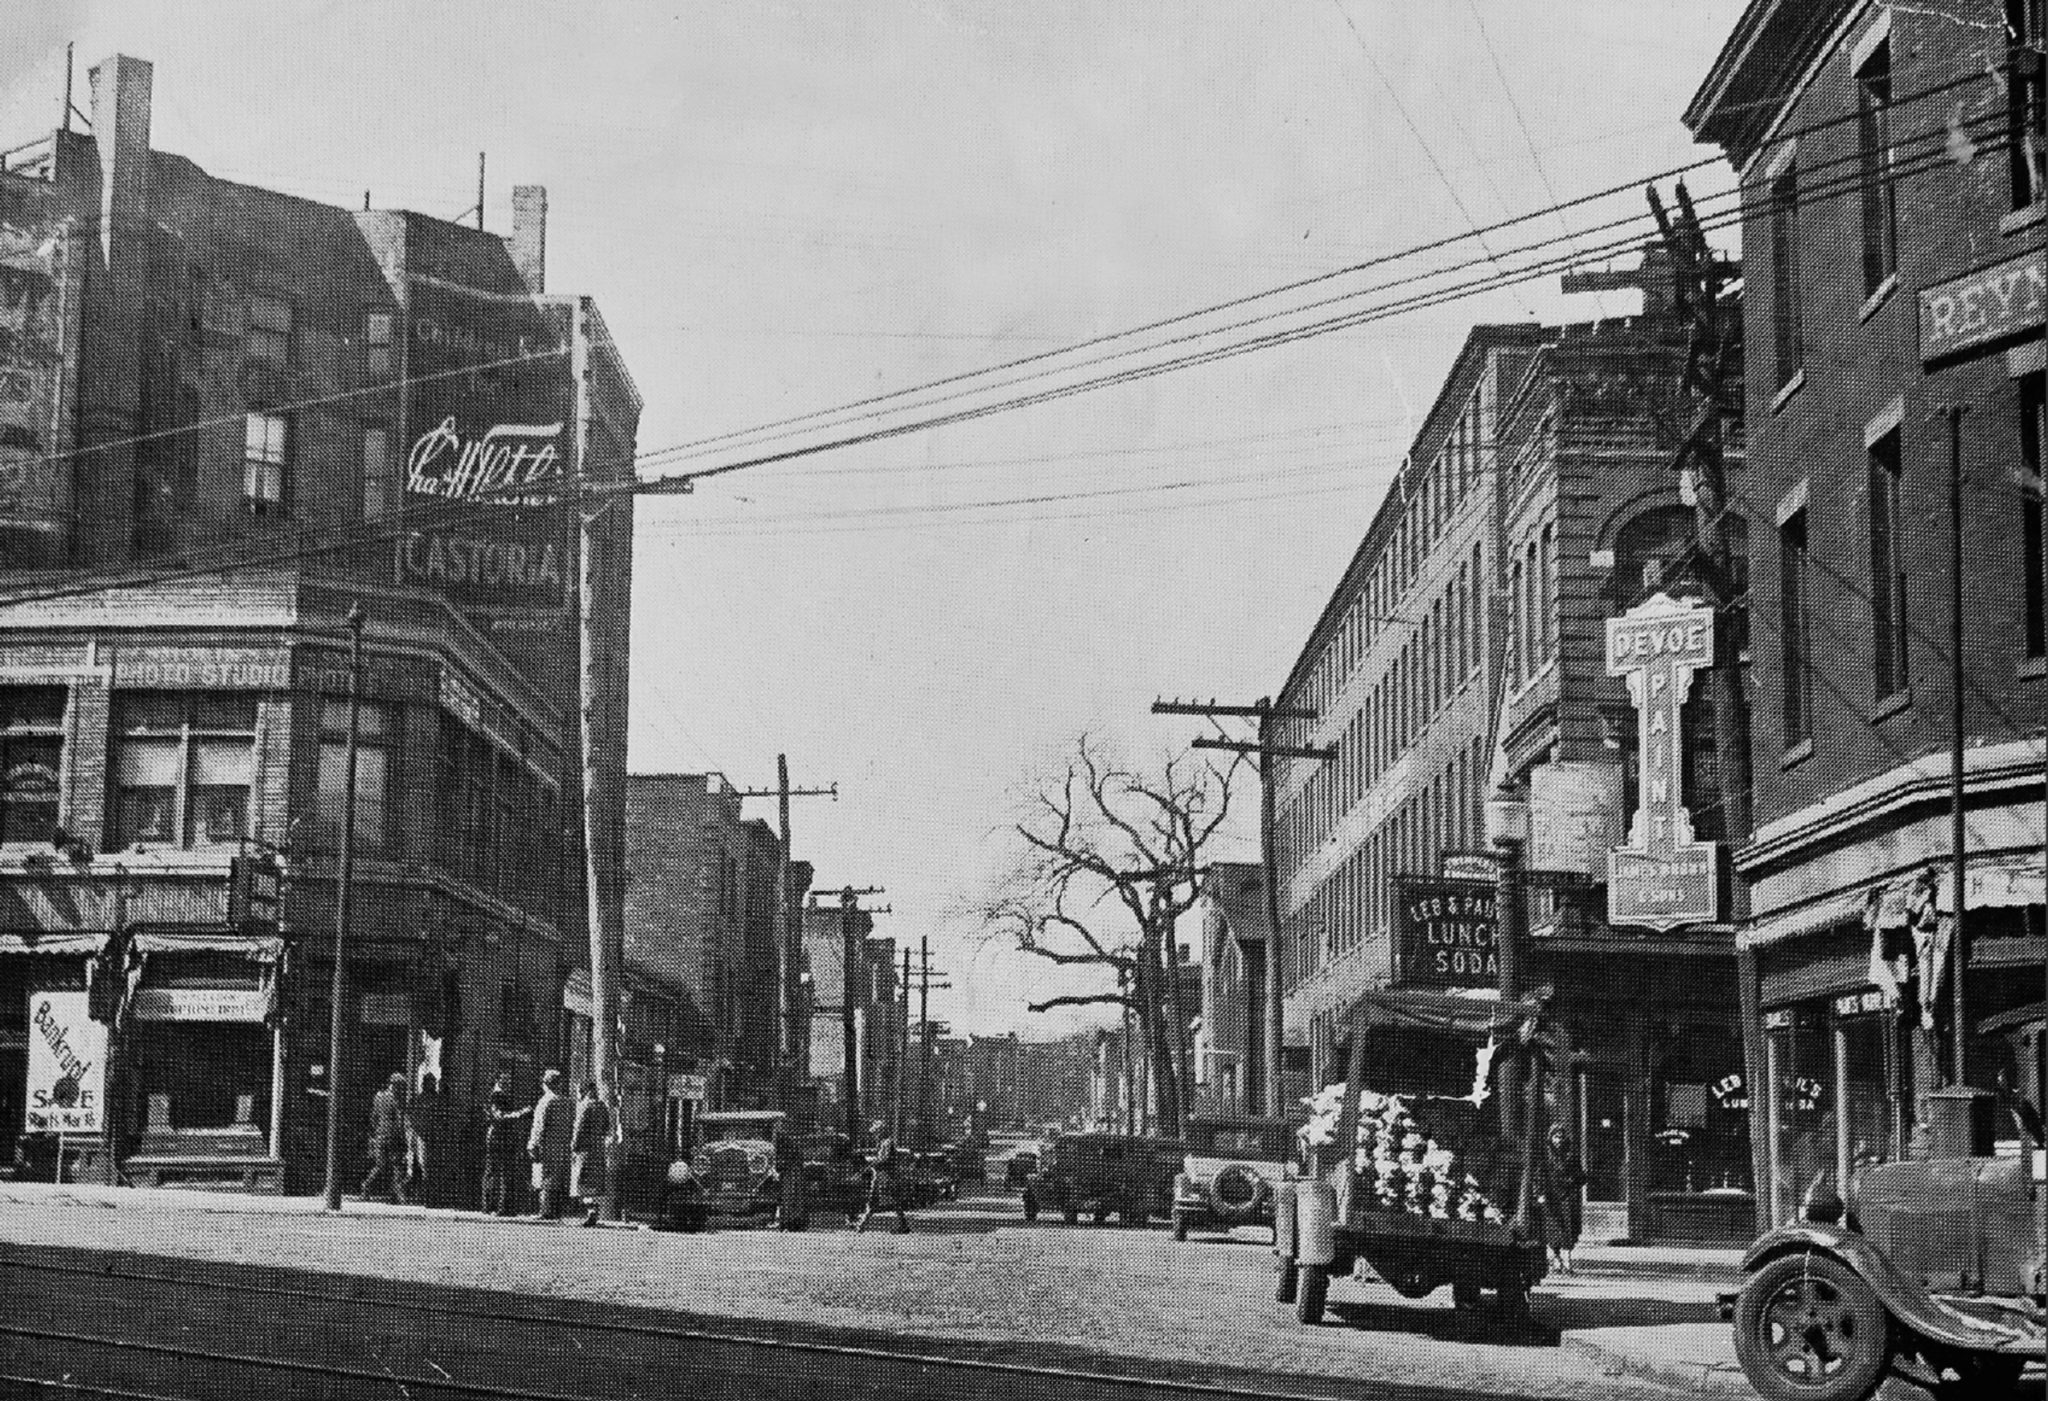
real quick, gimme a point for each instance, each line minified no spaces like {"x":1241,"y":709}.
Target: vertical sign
{"x":1661,"y":878}
{"x":67,"y":1064}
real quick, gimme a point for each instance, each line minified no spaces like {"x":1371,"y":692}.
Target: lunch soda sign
{"x":1446,"y":931}
{"x":1661,"y":877}
{"x":67,"y":1064}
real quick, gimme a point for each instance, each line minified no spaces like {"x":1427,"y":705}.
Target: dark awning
{"x":1474,"y":1018}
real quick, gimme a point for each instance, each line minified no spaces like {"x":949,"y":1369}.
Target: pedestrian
{"x":793,"y":1207}
{"x":502,"y":1143}
{"x":588,"y":1144}
{"x":1557,"y":1200}
{"x":547,"y":1144}
{"x":390,"y":1141}
{"x":885,"y":1174}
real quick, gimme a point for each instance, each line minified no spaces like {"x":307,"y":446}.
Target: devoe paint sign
{"x":1446,"y":930}
{"x":1661,"y":877}
{"x":67,"y":1064}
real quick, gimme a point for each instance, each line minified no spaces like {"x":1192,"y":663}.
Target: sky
{"x":782,"y":208}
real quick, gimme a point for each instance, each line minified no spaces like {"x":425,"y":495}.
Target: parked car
{"x":1103,"y":1175}
{"x":970,"y":1165}
{"x":1017,"y":1171}
{"x":1230,"y":1172}
{"x":731,"y":1177}
{"x":836,"y":1175}
{"x":933,"y":1174}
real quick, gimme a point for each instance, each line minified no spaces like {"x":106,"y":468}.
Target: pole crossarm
{"x":1246,"y":712}
{"x":1279,"y":751}
{"x":832,"y":793}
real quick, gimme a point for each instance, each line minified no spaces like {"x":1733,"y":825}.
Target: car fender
{"x":1315,"y":1223}
{"x":1905,"y":1298}
{"x":1283,"y":1220}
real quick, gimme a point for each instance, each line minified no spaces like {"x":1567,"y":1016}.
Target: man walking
{"x":501,"y":1149}
{"x":588,"y":1144}
{"x":885,"y":1174}
{"x":548,"y":1144}
{"x":390,"y":1141}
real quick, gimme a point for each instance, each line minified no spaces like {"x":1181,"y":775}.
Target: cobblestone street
{"x":969,"y":1273}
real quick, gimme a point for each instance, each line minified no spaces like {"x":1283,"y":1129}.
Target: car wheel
{"x":1465,"y":1297}
{"x":1180,"y":1227}
{"x":1289,"y":1282}
{"x":1807,"y":1328}
{"x":1314,"y":1291}
{"x":1030,"y":1207}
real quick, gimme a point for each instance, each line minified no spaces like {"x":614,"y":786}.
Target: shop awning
{"x":69,"y":944}
{"x":1844,"y":908}
{"x":261,"y":949}
{"x":1475,"y":1018}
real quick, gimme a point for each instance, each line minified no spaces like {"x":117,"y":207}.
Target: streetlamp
{"x":344,"y":889}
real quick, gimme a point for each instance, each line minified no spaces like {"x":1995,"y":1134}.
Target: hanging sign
{"x":1574,"y":817}
{"x":67,"y":1064}
{"x":1661,"y":878}
{"x":1446,"y":932}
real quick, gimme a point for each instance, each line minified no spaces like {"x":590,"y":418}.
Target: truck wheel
{"x":1807,"y":1328}
{"x":1464,"y":1297}
{"x":1180,"y":1227}
{"x":1289,"y":1282}
{"x":1315,"y":1289}
{"x":1030,"y":1207}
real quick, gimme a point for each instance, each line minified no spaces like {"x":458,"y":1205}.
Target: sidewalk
{"x":1719,"y":1265}
{"x":1696,"y":1358}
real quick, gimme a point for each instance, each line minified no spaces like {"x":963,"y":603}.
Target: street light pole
{"x":344,"y":889}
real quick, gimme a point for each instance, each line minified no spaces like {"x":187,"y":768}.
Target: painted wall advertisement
{"x":1574,"y":817}
{"x":34,"y":476}
{"x":490,"y":446}
{"x":67,"y":1064}
{"x":1445,"y":931}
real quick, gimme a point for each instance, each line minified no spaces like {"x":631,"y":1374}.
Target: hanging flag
{"x":430,"y":1063}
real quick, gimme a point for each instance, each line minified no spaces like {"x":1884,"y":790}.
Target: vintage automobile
{"x":1931,"y":1268}
{"x":1018,"y":1169}
{"x":1229,"y":1173}
{"x":835,"y":1174}
{"x":731,"y":1177}
{"x":929,"y":1177}
{"x":970,"y":1165}
{"x":1101,"y":1175}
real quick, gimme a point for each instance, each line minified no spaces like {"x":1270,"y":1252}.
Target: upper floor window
{"x":31,"y":758}
{"x":265,"y":455}
{"x":183,"y":764}
{"x":1788,"y":335}
{"x":375,"y":730}
{"x":2033,"y":427}
{"x":1795,"y":632}
{"x":2026,"y":35}
{"x":1874,"y":149}
{"x":269,"y":336}
{"x":376,"y":470}
{"x":1887,"y":567}
{"x":377,"y":343}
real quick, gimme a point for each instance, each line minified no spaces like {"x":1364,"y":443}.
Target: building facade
{"x":1230,"y":1045}
{"x":1891,"y":166}
{"x":240,"y":417}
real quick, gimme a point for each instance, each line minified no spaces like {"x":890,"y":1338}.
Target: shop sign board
{"x":1983,"y":308}
{"x":1470,"y":865}
{"x":67,"y":1064}
{"x":489,"y":453}
{"x":1445,"y":931}
{"x":1574,"y":817}
{"x":694,"y":1088}
{"x":1661,"y":878}
{"x":201,"y":1004}
{"x":204,"y":668}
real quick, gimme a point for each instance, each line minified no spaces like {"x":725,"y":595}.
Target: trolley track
{"x":514,"y":1340}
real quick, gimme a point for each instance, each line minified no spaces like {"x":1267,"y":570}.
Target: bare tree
{"x":1112,"y":857}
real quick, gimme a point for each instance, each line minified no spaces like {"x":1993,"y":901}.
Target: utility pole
{"x":344,"y":889}
{"x":606,"y":942}
{"x":792,"y":1036}
{"x":1268,"y":748}
{"x":853,"y":984}
{"x":1958,"y":942}
{"x":899,"y":1118}
{"x":923,"y":1127}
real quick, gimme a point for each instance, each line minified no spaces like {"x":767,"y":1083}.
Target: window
{"x":1546,"y":626}
{"x":1874,"y":148}
{"x":376,"y":471}
{"x":31,"y":758}
{"x":374,"y":732}
{"x":1476,"y":611}
{"x":1887,"y":569}
{"x":377,"y":343}
{"x":270,"y":331}
{"x":1795,"y":634}
{"x":1787,"y":332}
{"x":2033,"y":421}
{"x":182,"y":768}
{"x":2026,"y":28}
{"x":1517,"y":628}
{"x":263,"y":461}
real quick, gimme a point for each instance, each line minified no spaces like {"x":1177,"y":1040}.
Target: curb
{"x":1667,"y":1356}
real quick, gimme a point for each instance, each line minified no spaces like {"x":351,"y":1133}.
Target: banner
{"x":67,"y":1064}
{"x":490,"y":426}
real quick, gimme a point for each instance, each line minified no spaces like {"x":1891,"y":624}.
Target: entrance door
{"x":1603,"y":1137}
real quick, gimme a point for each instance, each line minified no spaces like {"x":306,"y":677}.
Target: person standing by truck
{"x":548,"y":1144}
{"x":885,"y":1175}
{"x":502,"y":1143}
{"x":588,"y":1145}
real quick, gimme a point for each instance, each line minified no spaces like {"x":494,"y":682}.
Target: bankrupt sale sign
{"x":67,"y":1064}
{"x":1661,"y":878}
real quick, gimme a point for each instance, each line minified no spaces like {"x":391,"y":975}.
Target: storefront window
{"x":31,"y":757}
{"x":1700,"y":1119}
{"x":1873,"y":1113}
{"x":1801,"y":1056}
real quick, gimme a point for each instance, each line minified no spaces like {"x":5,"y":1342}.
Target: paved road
{"x":972,"y":1281}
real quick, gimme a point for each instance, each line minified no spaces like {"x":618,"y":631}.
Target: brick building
{"x":1893,"y":214}
{"x":1230,"y":1046}
{"x":234,"y":415}
{"x":878,"y":1017}
{"x":1463,"y":653}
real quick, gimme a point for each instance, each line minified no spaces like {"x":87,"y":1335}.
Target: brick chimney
{"x":529,"y":241}
{"x":120,"y":125}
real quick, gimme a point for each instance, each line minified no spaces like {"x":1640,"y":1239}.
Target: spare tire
{"x":1236,"y":1188}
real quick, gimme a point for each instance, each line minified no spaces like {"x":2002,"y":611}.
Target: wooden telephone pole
{"x":1268,"y":748}
{"x":853,"y":995}
{"x":792,"y":1033}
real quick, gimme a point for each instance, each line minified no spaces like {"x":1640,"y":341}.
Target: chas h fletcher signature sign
{"x":1661,"y":878}
{"x":67,"y":1064}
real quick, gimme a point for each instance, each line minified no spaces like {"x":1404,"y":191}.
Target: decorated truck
{"x":1416,"y":1182}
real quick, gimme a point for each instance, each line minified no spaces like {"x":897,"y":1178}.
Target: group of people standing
{"x":559,"y":1147}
